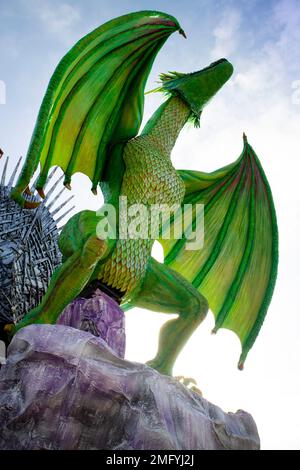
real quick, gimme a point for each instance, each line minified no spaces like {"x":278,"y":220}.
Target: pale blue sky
{"x":261,"y":38}
{"x":35,"y":34}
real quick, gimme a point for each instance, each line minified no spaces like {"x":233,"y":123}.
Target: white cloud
{"x":2,"y":92}
{"x":296,"y":92}
{"x":287,"y":16}
{"x":57,"y":18}
{"x":226,"y":33}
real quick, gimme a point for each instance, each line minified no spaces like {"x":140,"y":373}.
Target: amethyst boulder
{"x":62,"y":388}
{"x":99,"y":315}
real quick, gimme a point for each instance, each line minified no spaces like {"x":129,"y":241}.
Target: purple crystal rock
{"x":99,"y":315}
{"x":63,"y":388}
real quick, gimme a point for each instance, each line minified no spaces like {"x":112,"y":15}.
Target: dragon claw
{"x":31,"y":204}
{"x":197,"y":390}
{"x":17,"y":196}
{"x":187,"y":381}
{"x":7,"y":333}
{"x":41,"y":192}
{"x":27,"y":191}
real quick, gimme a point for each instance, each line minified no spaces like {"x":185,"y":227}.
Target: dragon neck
{"x":166,"y":123}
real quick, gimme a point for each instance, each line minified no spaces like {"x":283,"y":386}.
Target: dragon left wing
{"x":95,"y":99}
{"x":237,"y":266}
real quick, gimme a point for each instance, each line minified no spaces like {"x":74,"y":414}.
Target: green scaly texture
{"x":149,"y":178}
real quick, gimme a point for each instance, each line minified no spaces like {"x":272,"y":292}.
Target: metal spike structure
{"x":29,"y":251}
{"x":13,"y":175}
{"x":4,"y":173}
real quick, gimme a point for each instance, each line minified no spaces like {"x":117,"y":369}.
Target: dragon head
{"x":197,"y":88}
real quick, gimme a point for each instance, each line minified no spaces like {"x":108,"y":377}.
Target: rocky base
{"x":63,"y":388}
{"x":99,"y":315}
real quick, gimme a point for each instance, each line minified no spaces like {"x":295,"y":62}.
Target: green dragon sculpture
{"x":89,"y":122}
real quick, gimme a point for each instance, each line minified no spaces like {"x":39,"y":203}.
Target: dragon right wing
{"x":236,"y":267}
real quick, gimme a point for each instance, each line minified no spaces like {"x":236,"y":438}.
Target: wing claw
{"x":27,"y":191}
{"x":41,"y":192}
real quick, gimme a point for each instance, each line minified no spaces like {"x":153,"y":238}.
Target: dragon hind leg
{"x":164,"y":290}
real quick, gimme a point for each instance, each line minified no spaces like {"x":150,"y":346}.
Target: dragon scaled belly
{"x":149,"y":178}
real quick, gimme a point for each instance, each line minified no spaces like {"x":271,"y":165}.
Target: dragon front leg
{"x":67,"y":282}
